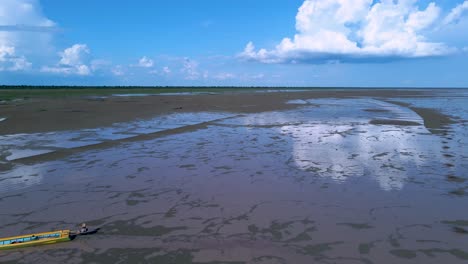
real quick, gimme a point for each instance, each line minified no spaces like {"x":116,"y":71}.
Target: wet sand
{"x":300,"y":177}
{"x":42,"y":114}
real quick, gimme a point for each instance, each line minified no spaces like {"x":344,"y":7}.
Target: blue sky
{"x":383,"y":43}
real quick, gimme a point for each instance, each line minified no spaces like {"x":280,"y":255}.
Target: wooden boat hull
{"x":35,"y":239}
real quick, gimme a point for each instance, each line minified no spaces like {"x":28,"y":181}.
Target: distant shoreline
{"x":9,"y":93}
{"x":19,"y":87}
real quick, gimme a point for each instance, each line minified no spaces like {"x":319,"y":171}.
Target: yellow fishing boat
{"x":35,"y":239}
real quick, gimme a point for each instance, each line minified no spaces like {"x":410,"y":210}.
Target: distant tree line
{"x":142,"y":87}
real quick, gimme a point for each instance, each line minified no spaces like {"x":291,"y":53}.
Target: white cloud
{"x":251,"y":76}
{"x":20,"y":64}
{"x":190,"y":69}
{"x":56,"y":70}
{"x":9,"y":61}
{"x":420,"y":20}
{"x":257,"y":76}
{"x":24,"y":28}
{"x":165,"y":71}
{"x":456,"y":13}
{"x":145,"y":62}
{"x":83,"y":70}
{"x":118,"y":71}
{"x":224,"y":76}
{"x":100,"y":64}
{"x":27,"y":13}
{"x":79,"y":70}
{"x":6,"y":52}
{"x":74,"y":55}
{"x":26,"y":35}
{"x":356,"y":30}
{"x":72,"y":61}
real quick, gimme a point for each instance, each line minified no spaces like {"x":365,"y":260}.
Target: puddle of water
{"x":281,"y":91}
{"x":96,"y":98}
{"x":20,"y":178}
{"x":26,"y":145}
{"x":297,"y":101}
{"x":352,"y":108}
{"x":189,"y":93}
{"x":164,"y":94}
{"x":23,"y":153}
{"x":453,"y":106}
{"x":132,"y":95}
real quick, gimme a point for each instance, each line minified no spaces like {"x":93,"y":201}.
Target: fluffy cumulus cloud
{"x":190,"y":69}
{"x":10,"y":61}
{"x":73,"y":60}
{"x":26,"y":36}
{"x":145,"y":62}
{"x":456,"y":13}
{"x":166,"y":70}
{"x":24,"y":30}
{"x":360,"y":30}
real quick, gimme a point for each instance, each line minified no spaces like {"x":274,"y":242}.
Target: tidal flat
{"x":296,"y":176}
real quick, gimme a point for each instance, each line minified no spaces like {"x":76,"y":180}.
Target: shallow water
{"x":281,"y":91}
{"x":132,"y":95}
{"x":26,"y":145}
{"x":318,"y":184}
{"x":162,"y":94}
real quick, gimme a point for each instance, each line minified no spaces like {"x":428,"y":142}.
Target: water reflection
{"x":330,"y":138}
{"x":20,"y":178}
{"x":303,"y":186}
{"x":334,"y":138}
{"x":26,"y":145}
{"x":342,"y":151}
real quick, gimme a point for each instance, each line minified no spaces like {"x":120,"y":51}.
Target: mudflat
{"x":38,"y":113}
{"x":316,"y":176}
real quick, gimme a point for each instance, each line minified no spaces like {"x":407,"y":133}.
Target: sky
{"x":313,"y":43}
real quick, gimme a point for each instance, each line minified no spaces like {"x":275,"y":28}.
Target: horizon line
{"x":220,"y":87}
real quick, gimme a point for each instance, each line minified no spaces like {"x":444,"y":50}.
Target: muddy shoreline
{"x":43,"y":114}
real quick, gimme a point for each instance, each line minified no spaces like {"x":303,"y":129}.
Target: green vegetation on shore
{"x":24,"y":92}
{"x":11,"y":92}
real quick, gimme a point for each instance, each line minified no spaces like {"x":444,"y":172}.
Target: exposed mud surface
{"x":313,"y":182}
{"x":393,"y":122}
{"x":42,"y":114}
